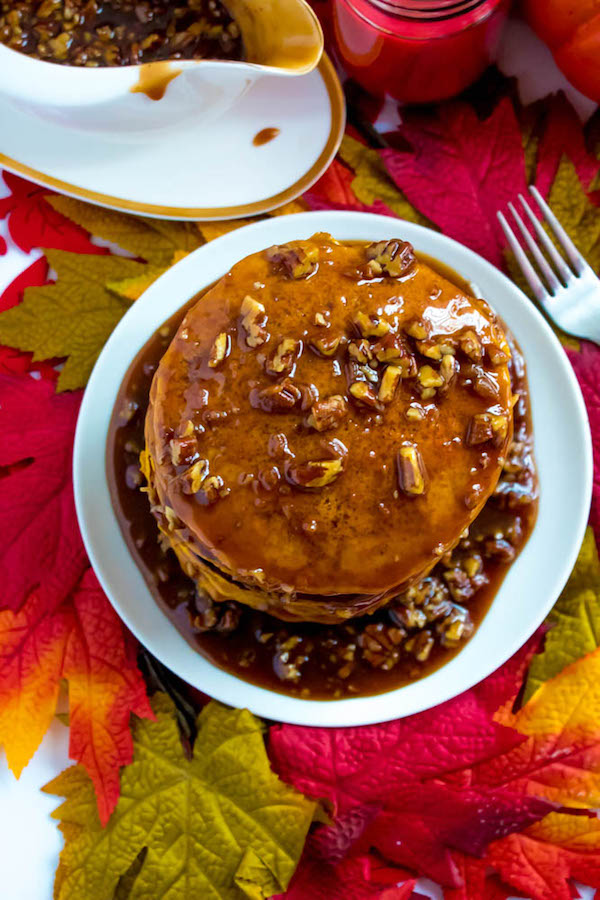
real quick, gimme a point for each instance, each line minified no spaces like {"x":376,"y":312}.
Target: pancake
{"x":326,"y":423}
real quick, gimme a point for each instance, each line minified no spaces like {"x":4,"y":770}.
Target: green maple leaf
{"x":578,"y":216}
{"x":158,"y":241}
{"x":72,"y":318}
{"x":575,"y":620}
{"x":372,"y":181}
{"x":220,"y":826}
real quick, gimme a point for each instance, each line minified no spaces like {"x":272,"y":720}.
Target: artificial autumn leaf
{"x":462,"y":170}
{"x":586,"y":364}
{"x":218,"y":826}
{"x":563,"y":136}
{"x":72,"y":318}
{"x":40,"y":536}
{"x":212,"y":230}
{"x":32,"y":222}
{"x":575,"y":620}
{"x":356,"y":878}
{"x":13,"y":361}
{"x":333,"y":189}
{"x":158,"y":241}
{"x":354,"y":767}
{"x":56,"y":622}
{"x":542,"y":862}
{"x":421,"y":822}
{"x":372,"y":182}
{"x":70,"y":631}
{"x":569,"y":703}
{"x":578,"y":216}
{"x":131,"y":289}
{"x":478,"y":881}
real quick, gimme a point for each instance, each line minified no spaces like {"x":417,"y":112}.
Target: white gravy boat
{"x":282,"y":38}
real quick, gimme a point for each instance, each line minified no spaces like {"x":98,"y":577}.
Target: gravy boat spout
{"x":282,"y":38}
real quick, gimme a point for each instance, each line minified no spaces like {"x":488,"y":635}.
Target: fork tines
{"x":557,"y":275}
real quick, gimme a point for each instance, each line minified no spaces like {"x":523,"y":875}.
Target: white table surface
{"x":29,"y":839}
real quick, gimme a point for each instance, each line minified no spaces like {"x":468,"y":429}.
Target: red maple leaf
{"x":357,"y":878}
{"x":562,"y":135}
{"x":32,"y":222}
{"x":586,"y":363}
{"x":479,"y":882}
{"x":56,"y":622}
{"x":14,"y":361}
{"x":37,"y":515}
{"x":461,"y":171}
{"x":333,"y":190}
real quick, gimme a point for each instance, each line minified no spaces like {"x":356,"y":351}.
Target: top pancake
{"x":356,"y":496}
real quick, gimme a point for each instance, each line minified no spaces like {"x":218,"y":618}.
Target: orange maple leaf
{"x":59,"y":623}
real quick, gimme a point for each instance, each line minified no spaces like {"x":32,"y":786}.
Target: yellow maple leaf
{"x":568,"y":704}
{"x":212,"y":230}
{"x":72,"y":318}
{"x":158,"y":241}
{"x":132,"y":288}
{"x":216,"y":827}
{"x":577,"y":833}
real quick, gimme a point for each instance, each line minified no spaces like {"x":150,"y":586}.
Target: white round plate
{"x":203,"y":171}
{"x":534,"y":581}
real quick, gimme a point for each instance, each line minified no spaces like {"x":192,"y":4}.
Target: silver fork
{"x":570,"y":295}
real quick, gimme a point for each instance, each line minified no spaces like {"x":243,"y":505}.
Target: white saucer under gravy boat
{"x":281,"y":38}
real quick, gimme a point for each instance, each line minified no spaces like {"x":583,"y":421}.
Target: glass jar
{"x":417,"y":51}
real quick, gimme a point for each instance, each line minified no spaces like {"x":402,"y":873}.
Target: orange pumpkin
{"x":571,"y":28}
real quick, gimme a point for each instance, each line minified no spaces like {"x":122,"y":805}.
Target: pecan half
{"x":411,"y":470}
{"x":295,"y":262}
{"x":277,"y":397}
{"x":314,"y":474}
{"x":254,"y":321}
{"x":328,"y":413}
{"x":284,"y":357}
{"x":393,"y":257}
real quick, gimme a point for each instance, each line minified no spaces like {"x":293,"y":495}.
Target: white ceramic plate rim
{"x":534,"y":581}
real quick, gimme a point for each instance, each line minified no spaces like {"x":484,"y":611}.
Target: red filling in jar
{"x":417,"y":51}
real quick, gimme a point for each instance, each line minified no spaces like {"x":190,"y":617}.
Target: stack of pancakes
{"x":326,"y":423}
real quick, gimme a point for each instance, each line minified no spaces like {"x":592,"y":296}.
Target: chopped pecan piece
{"x":371,"y":326}
{"x":278,"y":447}
{"x":320,"y":320}
{"x":393,"y":348}
{"x":327,"y":413}
{"x":394,"y":257}
{"x":364,"y":395}
{"x":415,"y":412}
{"x":213,"y":489}
{"x":193,"y":478}
{"x":428,"y":381}
{"x":498,"y":357}
{"x":360,"y":351}
{"x":325,"y":346}
{"x":408,"y":616}
{"x":471,"y":345}
{"x":277,"y":397}
{"x":254,"y":321}
{"x":389,"y":383}
{"x":479,"y":430}
{"x":417,"y":330}
{"x":484,"y":384}
{"x":448,"y":370}
{"x":455,"y":627}
{"x":314,"y":473}
{"x":420,"y":645}
{"x":380,"y":645}
{"x":220,"y":350}
{"x":487,"y":427}
{"x":411,"y":470}
{"x":183,"y":449}
{"x":284,"y":357}
{"x":295,"y":262}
